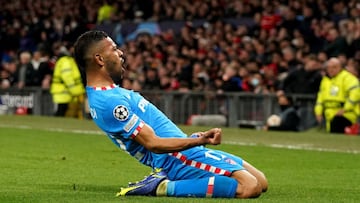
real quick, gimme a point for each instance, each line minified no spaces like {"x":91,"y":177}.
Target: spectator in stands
{"x":231,"y":81}
{"x":339,"y":11}
{"x":269,"y":75}
{"x":8,"y":74}
{"x":289,"y":62}
{"x":267,"y":31}
{"x":290,"y":21}
{"x":152,"y":81}
{"x":245,"y":78}
{"x":336,"y":44}
{"x":126,"y":83}
{"x":258,"y":85}
{"x":337,"y":101}
{"x":269,"y":19}
{"x":184,"y":70}
{"x":305,"y":79}
{"x":67,"y":87}
{"x":288,"y":118}
{"x":353,"y":66}
{"x":25,"y":70}
{"x":42,"y":71}
{"x":351,"y":32}
{"x":106,"y":12}
{"x":200,"y":77}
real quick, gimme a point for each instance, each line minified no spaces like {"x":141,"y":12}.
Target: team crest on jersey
{"x":121,"y":113}
{"x":230,"y":161}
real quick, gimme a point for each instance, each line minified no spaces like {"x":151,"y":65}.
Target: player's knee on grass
{"x":260,"y":176}
{"x":248,"y":185}
{"x":248,"y":190}
{"x":263,"y":182}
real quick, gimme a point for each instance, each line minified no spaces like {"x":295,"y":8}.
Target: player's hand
{"x":212,"y":136}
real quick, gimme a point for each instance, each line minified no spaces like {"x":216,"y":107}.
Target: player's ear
{"x":99,"y":60}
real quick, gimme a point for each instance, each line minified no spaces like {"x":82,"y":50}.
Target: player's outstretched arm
{"x":150,"y":141}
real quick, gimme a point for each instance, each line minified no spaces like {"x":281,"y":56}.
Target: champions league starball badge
{"x":121,"y":113}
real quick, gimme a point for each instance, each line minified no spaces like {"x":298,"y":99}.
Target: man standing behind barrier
{"x":338,"y":98}
{"x":135,"y":125}
{"x":67,"y":88}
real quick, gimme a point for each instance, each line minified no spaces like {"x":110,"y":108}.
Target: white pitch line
{"x":296,"y":147}
{"x":97,"y":132}
{"x":282,"y":146}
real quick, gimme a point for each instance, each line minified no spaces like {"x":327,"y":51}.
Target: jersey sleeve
{"x":121,"y":120}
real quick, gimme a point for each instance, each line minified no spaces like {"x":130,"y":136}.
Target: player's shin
{"x":216,"y":186}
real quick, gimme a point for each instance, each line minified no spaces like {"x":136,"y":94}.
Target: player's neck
{"x":98,"y":79}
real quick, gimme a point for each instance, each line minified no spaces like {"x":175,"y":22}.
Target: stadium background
{"x":186,"y":48}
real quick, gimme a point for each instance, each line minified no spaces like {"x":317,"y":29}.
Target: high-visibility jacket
{"x":339,"y":92}
{"x":66,"y":83}
{"x":105,"y":12}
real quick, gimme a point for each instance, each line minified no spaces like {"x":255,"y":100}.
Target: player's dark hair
{"x":83,"y":44}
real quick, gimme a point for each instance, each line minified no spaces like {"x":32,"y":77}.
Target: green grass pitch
{"x":45,"y":159}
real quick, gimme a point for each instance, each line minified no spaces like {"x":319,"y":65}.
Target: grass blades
{"x":45,"y":159}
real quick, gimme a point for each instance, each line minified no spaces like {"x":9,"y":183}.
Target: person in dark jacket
{"x":288,"y":119}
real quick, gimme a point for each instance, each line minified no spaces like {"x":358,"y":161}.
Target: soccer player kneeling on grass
{"x":188,"y":168}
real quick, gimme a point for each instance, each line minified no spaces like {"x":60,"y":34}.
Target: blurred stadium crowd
{"x":286,"y":49}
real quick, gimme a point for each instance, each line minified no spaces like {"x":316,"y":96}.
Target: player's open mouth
{"x":124,"y":66}
{"x":124,"y":63}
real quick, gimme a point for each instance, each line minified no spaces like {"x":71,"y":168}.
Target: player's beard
{"x":116,"y":70}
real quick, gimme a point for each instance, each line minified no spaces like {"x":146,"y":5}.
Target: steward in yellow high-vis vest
{"x":67,"y":86}
{"x":338,"y":98}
